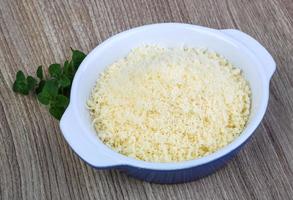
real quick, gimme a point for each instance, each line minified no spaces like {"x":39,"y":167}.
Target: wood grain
{"x":36,"y":162}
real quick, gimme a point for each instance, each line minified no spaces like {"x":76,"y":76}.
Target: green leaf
{"x":51,"y":87}
{"x":56,"y":111}
{"x":20,"y":87}
{"x":23,"y":85}
{"x":55,"y":91}
{"x":55,"y":70}
{"x":66,"y":68}
{"x":31,"y":82}
{"x":64,"y":81}
{"x":77,"y":58}
{"x":48,"y":92}
{"x":70,"y":70}
{"x":40,"y":74}
{"x":40,"y":86}
{"x":44,"y":98}
{"x":60,"y":101}
{"x":20,"y":76}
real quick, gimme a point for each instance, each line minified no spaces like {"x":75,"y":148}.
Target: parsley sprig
{"x":54,"y":90}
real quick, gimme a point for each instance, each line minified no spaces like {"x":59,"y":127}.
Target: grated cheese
{"x":169,"y":104}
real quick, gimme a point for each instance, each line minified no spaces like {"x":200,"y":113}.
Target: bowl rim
{"x":122,"y":160}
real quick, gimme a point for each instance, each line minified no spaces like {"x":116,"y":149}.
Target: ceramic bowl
{"x":239,"y":48}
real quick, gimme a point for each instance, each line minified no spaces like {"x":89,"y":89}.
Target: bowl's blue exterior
{"x":178,"y":176}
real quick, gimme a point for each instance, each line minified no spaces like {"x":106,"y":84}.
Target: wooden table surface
{"x":37,"y":163}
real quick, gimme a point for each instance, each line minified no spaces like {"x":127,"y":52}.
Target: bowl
{"x":239,"y":48}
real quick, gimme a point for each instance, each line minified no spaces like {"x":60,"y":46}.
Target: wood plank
{"x":36,"y":162}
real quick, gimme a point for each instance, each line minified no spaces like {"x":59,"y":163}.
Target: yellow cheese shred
{"x":169,"y":104}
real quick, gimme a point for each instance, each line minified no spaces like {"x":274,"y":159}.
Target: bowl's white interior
{"x":166,"y":36}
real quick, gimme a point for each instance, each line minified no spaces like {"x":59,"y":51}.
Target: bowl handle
{"x":262,"y":54}
{"x":84,"y":148}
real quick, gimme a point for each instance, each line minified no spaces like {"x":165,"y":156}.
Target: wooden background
{"x":36,"y":162}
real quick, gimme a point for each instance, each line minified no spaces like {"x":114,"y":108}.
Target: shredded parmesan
{"x":169,"y":104}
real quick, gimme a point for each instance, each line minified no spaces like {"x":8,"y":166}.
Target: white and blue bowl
{"x":242,"y":50}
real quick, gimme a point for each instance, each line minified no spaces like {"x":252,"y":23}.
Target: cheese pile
{"x":169,"y":104}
